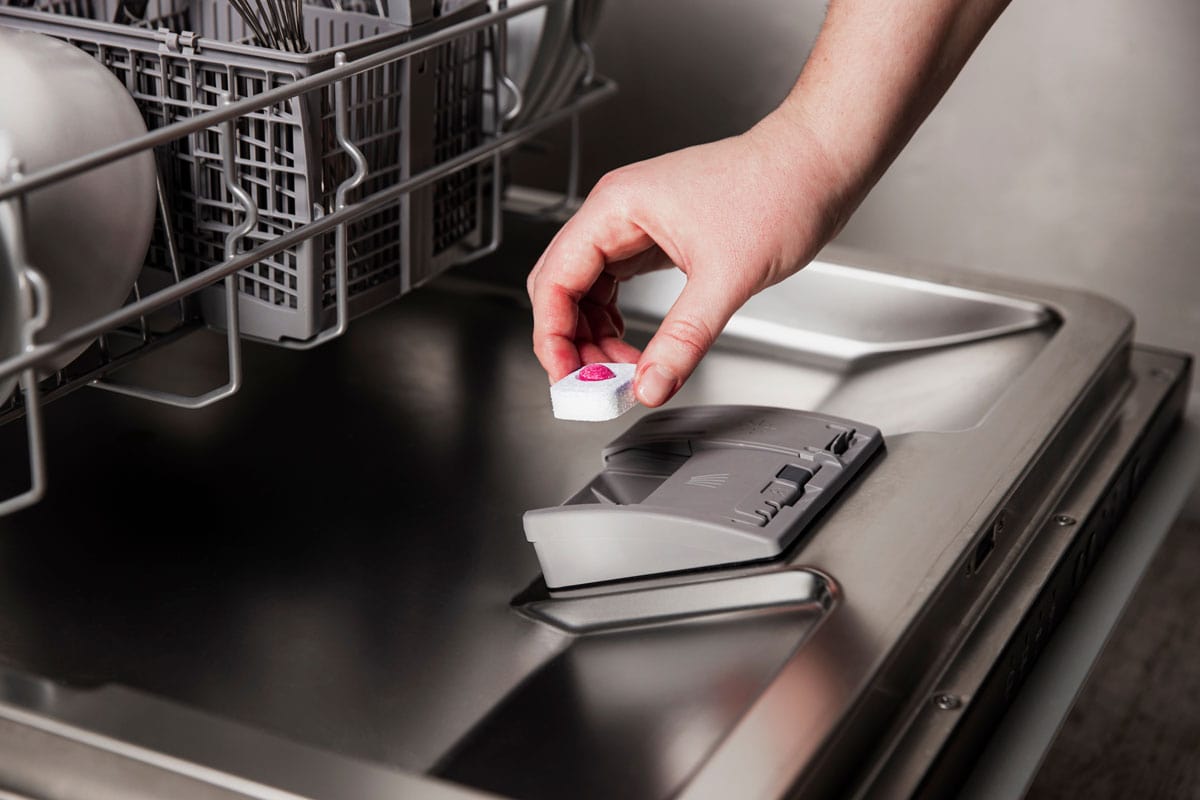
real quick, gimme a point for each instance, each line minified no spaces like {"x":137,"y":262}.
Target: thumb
{"x":685,"y":335}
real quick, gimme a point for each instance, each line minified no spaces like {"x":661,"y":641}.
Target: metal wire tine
{"x":573,"y":166}
{"x":37,"y":449}
{"x":341,"y":119}
{"x":35,"y":309}
{"x":571,"y":197}
{"x":581,"y":42}
{"x":164,"y":210}
{"x":143,"y":324}
{"x":232,"y":301}
{"x":501,"y":68}
{"x":341,"y":102}
{"x":497,"y":216}
{"x":589,"y":59}
{"x":37,"y":313}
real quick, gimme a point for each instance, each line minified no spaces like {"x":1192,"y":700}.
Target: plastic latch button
{"x":780,"y":494}
{"x":757,"y":520}
{"x":796,"y":475}
{"x":841,"y":442}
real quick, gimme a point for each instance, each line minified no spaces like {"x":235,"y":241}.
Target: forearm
{"x":877,"y":69}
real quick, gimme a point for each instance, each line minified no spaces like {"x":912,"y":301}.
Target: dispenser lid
{"x":701,"y":486}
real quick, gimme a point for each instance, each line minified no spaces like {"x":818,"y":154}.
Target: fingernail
{"x":655,"y":385}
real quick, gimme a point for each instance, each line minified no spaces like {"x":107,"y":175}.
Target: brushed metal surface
{"x":830,"y":312}
{"x":329,"y":557}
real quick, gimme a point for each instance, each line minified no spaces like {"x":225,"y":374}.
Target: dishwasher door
{"x":321,"y":587}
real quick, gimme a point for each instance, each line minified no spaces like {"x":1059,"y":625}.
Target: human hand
{"x":736,"y":216}
{"x":741,"y":214}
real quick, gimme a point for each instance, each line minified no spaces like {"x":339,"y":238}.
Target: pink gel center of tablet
{"x":596,"y":372}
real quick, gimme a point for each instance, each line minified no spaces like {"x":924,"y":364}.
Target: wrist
{"x":821,"y":188}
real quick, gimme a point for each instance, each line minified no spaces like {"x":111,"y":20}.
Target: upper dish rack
{"x":295,"y":190}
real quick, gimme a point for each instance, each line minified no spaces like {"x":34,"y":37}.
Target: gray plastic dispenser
{"x":699,"y":487}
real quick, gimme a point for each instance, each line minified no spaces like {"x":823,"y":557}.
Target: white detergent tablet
{"x":594,"y":393}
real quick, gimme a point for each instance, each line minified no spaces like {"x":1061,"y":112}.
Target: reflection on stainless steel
{"x":930,"y":750}
{"x":833,"y":312}
{"x":626,"y":714}
{"x":48,"y":758}
{"x":323,"y":566}
{"x":624,"y":607}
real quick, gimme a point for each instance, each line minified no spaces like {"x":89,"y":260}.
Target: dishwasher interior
{"x":326,"y":585}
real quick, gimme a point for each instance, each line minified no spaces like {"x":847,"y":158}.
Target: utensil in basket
{"x":130,"y":12}
{"x":278,"y":24}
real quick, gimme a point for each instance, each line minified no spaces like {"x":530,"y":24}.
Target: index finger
{"x":598,"y":234}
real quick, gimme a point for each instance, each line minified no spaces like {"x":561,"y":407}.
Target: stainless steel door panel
{"x":329,"y":558}
{"x":834,"y":312}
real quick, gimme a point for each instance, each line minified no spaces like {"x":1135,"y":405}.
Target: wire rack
{"x":363,"y":219}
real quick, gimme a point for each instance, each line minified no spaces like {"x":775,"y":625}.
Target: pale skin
{"x":744,"y":213}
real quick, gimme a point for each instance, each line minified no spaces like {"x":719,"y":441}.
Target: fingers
{"x":649,"y":260}
{"x":620,"y":351}
{"x":603,"y":291}
{"x":569,"y":273}
{"x":687,"y":332}
{"x":603,"y":327}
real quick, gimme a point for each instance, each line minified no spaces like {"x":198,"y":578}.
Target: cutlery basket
{"x":406,"y":115}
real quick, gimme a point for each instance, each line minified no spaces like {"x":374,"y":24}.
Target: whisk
{"x":278,"y":24}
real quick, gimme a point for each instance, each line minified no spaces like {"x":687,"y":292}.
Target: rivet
{"x":947,"y":702}
{"x":1064,"y":521}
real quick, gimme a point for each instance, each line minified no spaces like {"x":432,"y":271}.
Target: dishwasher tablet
{"x":594,"y":393}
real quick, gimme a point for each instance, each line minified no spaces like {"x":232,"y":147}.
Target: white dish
{"x":524,"y":38}
{"x":87,"y":235}
{"x":10,"y":304}
{"x":537,"y":42}
{"x":572,"y":63}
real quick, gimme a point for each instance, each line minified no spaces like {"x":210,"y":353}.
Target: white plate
{"x":10,"y":306}
{"x":87,"y":235}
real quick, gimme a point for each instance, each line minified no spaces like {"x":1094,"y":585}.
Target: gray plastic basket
{"x":405,"y":116}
